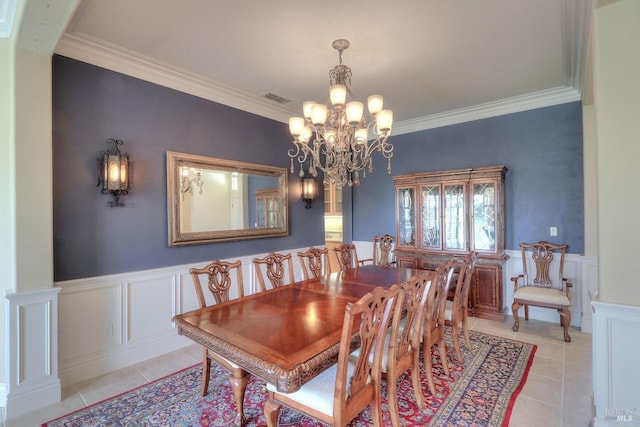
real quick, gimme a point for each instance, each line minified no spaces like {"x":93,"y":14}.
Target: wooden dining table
{"x":287,"y":335}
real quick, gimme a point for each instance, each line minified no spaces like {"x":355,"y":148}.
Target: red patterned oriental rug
{"x":479,"y":393}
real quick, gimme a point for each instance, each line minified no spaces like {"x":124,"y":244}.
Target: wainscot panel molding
{"x":582,"y":271}
{"x":616,"y":345}
{"x":32,"y":340}
{"x":112,"y":322}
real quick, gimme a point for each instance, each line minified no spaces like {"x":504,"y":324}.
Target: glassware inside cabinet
{"x":406,"y":217}
{"x":431,"y":217}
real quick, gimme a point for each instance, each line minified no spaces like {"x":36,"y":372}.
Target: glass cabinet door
{"x":431,"y":217}
{"x":260,"y":212}
{"x":406,"y":217}
{"x":272,"y":212}
{"x":454,"y":217}
{"x":484,"y":216}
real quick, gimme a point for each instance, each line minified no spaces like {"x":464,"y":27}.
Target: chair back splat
{"x":314,"y":262}
{"x":347,"y":256}
{"x":382,"y":251}
{"x":277,"y":267}
{"x":219,"y":280}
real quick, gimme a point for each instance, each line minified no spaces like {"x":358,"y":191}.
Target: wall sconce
{"x":115,"y":172}
{"x":187,"y":182}
{"x":309,"y":190}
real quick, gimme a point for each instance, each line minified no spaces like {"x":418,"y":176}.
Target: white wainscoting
{"x":32,"y":326}
{"x":112,"y":322}
{"x":616,"y":372}
{"x":582,"y":271}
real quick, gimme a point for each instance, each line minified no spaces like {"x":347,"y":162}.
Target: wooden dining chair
{"x":455,"y":313}
{"x":542,"y":284}
{"x":402,"y":341}
{"x":433,"y":324}
{"x":315,"y":263}
{"x":340,"y":393}
{"x":220,"y":280}
{"x":382,"y":251}
{"x":277,"y":267}
{"x":347,"y":256}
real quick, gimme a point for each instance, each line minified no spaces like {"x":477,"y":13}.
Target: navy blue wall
{"x":544,"y":185}
{"x":542,"y":149}
{"x":91,"y":105}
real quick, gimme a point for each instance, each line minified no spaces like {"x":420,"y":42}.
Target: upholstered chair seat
{"x":544,"y":295}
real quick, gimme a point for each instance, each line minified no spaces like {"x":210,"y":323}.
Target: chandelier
{"x":335,"y":138}
{"x":188,"y":182}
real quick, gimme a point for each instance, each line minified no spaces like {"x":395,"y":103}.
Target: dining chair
{"x":433,"y":324}
{"x":341,"y":392}
{"x":277,"y":267}
{"x":456,"y":311}
{"x":548,"y":288}
{"x":402,"y":341}
{"x":220,"y":280}
{"x":382,"y":251}
{"x":347,"y":256}
{"x":314,"y":262}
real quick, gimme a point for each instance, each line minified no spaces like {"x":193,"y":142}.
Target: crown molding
{"x":531,"y":101}
{"x":134,"y":65}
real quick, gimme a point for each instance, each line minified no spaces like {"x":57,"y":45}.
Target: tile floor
{"x":557,"y":391}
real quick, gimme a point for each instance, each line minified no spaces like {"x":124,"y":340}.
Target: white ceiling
{"x":435,"y":61}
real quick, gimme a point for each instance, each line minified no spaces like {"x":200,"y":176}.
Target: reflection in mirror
{"x":213,"y":200}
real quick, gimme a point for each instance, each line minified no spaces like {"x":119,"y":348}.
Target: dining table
{"x":287,"y":335}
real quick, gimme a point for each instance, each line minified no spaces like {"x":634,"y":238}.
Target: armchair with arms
{"x":537,"y":285}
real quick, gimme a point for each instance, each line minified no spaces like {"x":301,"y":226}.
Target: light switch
{"x":553,"y":231}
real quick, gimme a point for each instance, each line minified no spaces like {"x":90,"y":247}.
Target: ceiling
{"x":436,"y":62}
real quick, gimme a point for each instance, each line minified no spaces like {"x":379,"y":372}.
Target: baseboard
{"x":80,"y":372}
{"x":612,"y":422}
{"x":22,"y":402}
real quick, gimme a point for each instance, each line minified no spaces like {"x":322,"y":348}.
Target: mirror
{"x":215,"y":200}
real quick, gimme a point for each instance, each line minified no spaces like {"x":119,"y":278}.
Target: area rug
{"x":480,"y":392}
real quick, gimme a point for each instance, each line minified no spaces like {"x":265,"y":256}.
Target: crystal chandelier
{"x":335,"y":138}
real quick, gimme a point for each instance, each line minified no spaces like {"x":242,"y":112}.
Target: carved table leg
{"x":239,"y":380}
{"x":206,"y":372}
{"x":514,"y":309}
{"x":271,"y":412}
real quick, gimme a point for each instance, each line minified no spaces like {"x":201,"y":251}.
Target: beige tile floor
{"x":557,"y":391}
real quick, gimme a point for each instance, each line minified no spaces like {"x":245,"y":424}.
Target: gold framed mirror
{"x":216,"y":200}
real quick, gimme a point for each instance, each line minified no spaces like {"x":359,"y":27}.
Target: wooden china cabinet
{"x":268,"y":208}
{"x":447,"y":214}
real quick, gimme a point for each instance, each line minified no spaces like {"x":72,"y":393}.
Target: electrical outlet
{"x":108,"y":330}
{"x":553,"y":231}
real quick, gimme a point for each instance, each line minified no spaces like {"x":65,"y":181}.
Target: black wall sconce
{"x":115,"y":172}
{"x":309,"y":190}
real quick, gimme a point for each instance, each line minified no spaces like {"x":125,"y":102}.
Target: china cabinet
{"x":447,"y":214}
{"x":332,"y":200}
{"x":267,"y":208}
